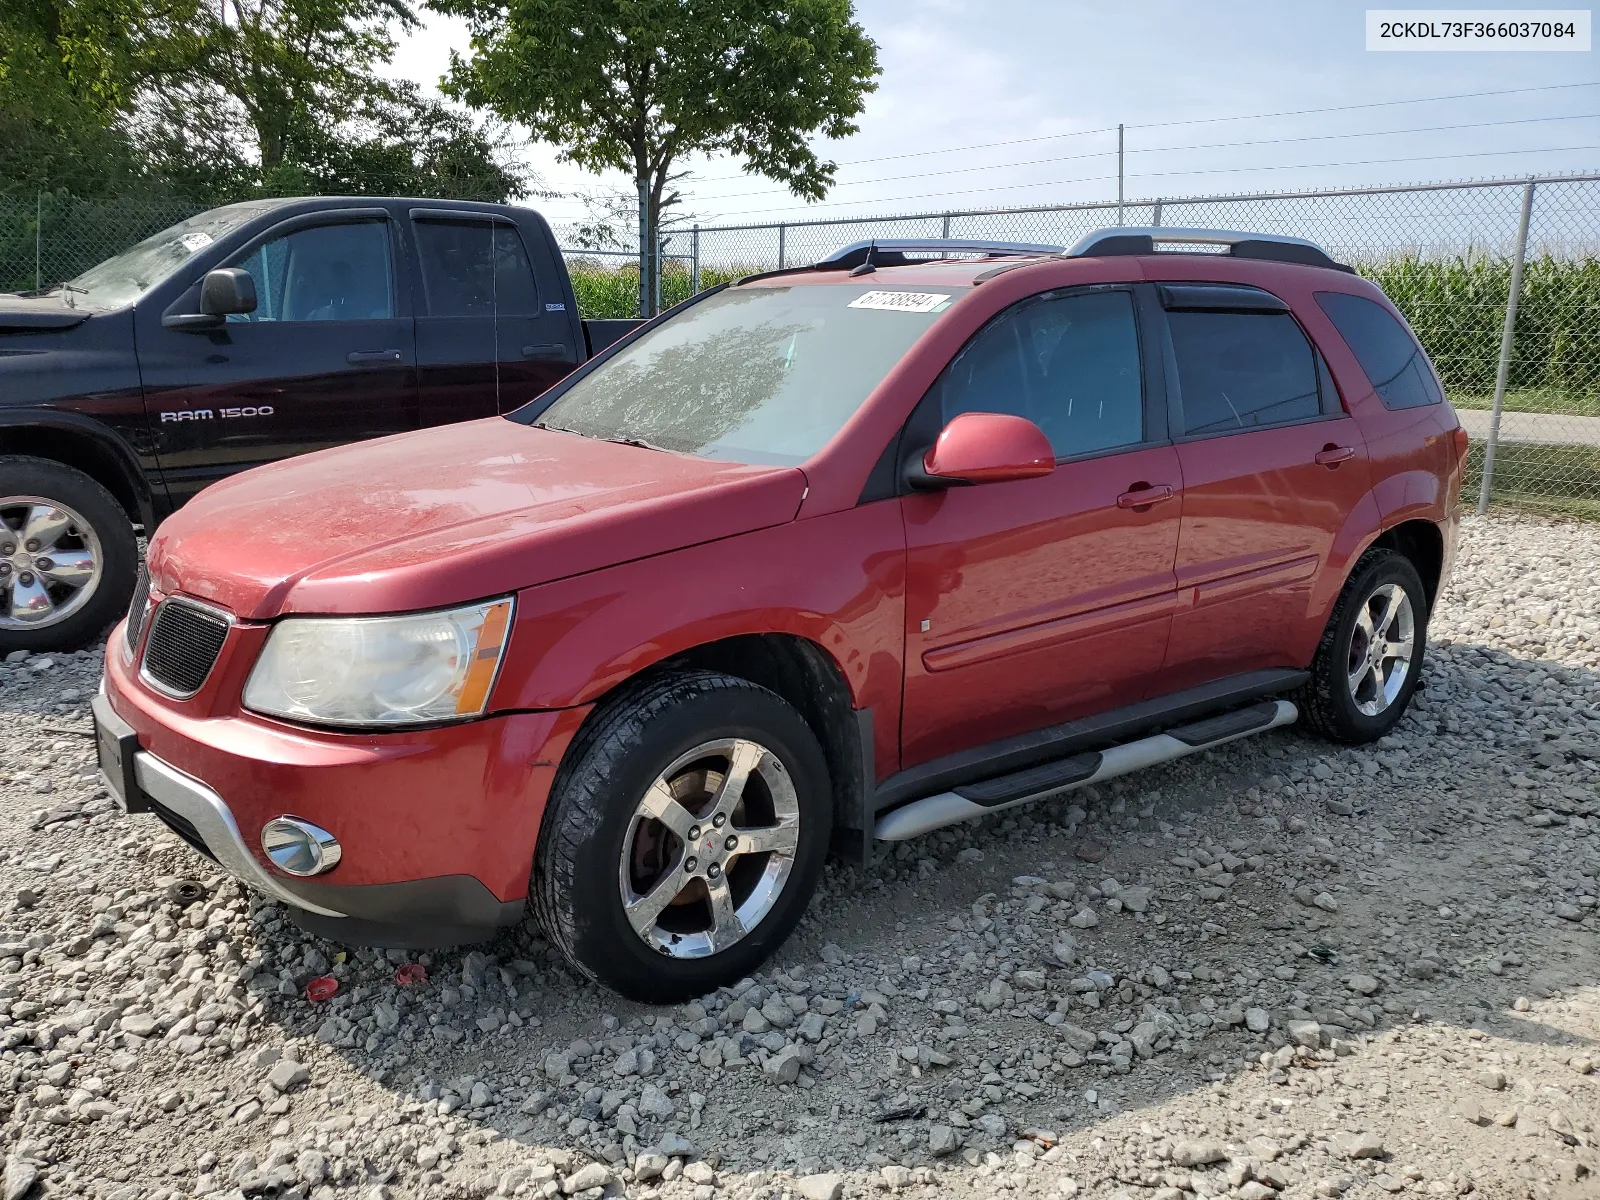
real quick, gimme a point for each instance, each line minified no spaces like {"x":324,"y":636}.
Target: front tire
{"x":68,"y":557}
{"x":685,"y":835}
{"x":1370,"y":657}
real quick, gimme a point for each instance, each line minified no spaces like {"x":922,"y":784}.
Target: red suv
{"x":834,"y":554}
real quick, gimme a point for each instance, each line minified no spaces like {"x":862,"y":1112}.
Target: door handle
{"x":356,"y":357}
{"x":1144,"y":497}
{"x":1332,"y":456}
{"x":547,"y":351}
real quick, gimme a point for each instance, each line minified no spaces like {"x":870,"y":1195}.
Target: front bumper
{"x":438,"y":826}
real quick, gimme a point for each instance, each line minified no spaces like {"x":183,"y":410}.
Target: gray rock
{"x":655,"y":1103}
{"x":942,"y":1141}
{"x":286,"y":1074}
{"x":591,"y":1175}
{"x":783,"y":1067}
{"x":1358,"y":1145}
{"x":1257,"y":1020}
{"x":823,"y":1187}
{"x":20,"y":1178}
{"x":140,"y":1025}
{"x":649,"y":1165}
{"x":1305,"y":1033}
{"x":1078,"y":1038}
{"x":1193,"y":1153}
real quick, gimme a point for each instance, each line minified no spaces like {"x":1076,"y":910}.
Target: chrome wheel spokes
{"x":1382,"y":646}
{"x":709,"y":848}
{"x":50,"y":562}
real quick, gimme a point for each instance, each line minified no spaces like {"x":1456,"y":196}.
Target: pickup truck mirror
{"x":982,"y":447}
{"x":224,"y":291}
{"x":227,"y":290}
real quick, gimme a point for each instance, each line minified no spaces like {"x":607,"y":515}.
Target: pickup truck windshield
{"x":129,"y":275}
{"x":753,"y":374}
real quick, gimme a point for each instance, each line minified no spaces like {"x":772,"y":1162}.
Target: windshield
{"x":751,"y":374}
{"x":127,"y":276}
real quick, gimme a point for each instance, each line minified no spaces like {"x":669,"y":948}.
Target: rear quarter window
{"x":1395,"y":365}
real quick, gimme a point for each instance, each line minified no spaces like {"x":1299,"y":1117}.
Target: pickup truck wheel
{"x":1370,"y":656}
{"x":67,"y":556}
{"x":686,"y":831}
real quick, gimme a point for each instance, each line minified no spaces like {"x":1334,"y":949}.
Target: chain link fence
{"x":48,"y":238}
{"x":1447,"y":255}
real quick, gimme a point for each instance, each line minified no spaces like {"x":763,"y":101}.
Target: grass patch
{"x":1558,"y":480}
{"x":1535,"y":400}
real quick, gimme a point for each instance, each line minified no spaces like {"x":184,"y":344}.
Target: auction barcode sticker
{"x":914,"y":302}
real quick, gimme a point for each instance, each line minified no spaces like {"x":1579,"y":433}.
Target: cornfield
{"x":612,"y":292}
{"x":1457,"y":308}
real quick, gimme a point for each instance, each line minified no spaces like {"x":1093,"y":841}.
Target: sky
{"x":1004,"y":103}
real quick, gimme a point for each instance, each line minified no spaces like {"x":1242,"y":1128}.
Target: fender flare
{"x":106,"y":439}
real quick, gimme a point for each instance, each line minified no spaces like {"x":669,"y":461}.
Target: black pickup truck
{"x":242,"y":335}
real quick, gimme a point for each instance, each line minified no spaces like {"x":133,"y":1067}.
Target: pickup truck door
{"x":328,"y":356}
{"x":489,"y":336}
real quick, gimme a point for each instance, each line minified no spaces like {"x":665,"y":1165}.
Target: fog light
{"x":299,"y":847}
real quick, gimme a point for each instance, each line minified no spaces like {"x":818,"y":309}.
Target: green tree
{"x":70,"y":72}
{"x":636,"y":85}
{"x":229,"y":99}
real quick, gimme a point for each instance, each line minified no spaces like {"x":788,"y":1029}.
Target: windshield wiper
{"x":66,"y":290}
{"x":621,"y":441}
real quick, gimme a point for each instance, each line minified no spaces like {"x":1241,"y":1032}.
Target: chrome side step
{"x":970,"y":801}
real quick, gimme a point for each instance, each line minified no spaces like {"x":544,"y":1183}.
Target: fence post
{"x":946,"y":227}
{"x":694,"y":264}
{"x":1503,"y":371}
{"x":38,"y":240}
{"x":661,"y":256}
{"x":782,"y":229}
{"x":1119,"y":173}
{"x":1155,"y":217}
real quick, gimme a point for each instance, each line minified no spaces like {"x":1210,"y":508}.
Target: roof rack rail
{"x":1143,"y":239}
{"x":897,"y":252}
{"x":900,"y":252}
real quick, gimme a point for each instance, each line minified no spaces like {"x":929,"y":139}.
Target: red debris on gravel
{"x":411,"y":973}
{"x":321,"y":988}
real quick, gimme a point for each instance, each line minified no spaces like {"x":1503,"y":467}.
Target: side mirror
{"x":981,"y":447}
{"x":225,"y":291}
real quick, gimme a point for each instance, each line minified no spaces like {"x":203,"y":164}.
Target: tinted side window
{"x":324,"y":273}
{"x":1070,"y":364}
{"x":1242,"y":370}
{"x":471,"y":267}
{"x":1390,"y":356}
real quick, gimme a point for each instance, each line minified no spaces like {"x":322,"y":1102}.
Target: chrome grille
{"x":136,"y":610}
{"x":185,"y":640}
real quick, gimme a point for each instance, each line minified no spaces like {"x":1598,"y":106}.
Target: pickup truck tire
{"x":62,"y":589}
{"x":1370,"y":657}
{"x":666,"y":909}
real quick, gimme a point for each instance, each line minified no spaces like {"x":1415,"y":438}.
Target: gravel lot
{"x":1278,"y":968}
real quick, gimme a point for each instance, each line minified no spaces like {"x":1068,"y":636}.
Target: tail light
{"x":1460,"y":436}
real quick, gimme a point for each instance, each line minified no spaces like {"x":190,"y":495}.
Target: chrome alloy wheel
{"x":709,"y":848}
{"x":1381,"y":649}
{"x":50,"y":562}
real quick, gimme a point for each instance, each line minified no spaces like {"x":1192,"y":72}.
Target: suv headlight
{"x":408,"y":670}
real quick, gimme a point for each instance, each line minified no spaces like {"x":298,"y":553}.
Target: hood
{"x":39,"y":312}
{"x":449,"y":515}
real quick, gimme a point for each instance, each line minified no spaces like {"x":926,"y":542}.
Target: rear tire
{"x":655,"y":874}
{"x":1370,"y":658}
{"x":76,"y":580}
